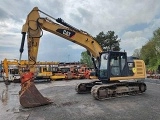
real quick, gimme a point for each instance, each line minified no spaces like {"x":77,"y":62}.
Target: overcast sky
{"x":132,"y":20}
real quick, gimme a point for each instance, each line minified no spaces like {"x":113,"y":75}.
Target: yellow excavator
{"x":113,"y":69}
{"x":44,"y":70}
{"x":11,"y":68}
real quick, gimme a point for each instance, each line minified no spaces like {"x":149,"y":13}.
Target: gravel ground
{"x":68,"y":105}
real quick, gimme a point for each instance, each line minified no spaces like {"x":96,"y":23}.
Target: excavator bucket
{"x":29,"y":96}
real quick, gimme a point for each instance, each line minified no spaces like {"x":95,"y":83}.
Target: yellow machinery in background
{"x":44,"y":70}
{"x":10,"y":69}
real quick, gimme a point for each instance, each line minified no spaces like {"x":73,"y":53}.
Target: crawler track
{"x":102,"y":91}
{"x":113,"y":90}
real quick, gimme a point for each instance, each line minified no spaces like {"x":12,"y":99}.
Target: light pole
{"x":68,"y":57}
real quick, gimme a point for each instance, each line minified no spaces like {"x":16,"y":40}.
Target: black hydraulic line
{"x":47,"y":14}
{"x":61,"y":21}
{"x":22,"y":45}
{"x":95,"y":66}
{"x":22,"y":42}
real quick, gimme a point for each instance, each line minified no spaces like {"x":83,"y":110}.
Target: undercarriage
{"x":102,"y":91}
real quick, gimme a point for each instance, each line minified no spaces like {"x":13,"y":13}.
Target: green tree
{"x":136,"y":53}
{"x":156,"y":39}
{"x":150,"y":52}
{"x":108,"y":41}
{"x":86,"y":59}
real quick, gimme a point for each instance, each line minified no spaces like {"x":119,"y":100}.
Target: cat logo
{"x":65,"y":32}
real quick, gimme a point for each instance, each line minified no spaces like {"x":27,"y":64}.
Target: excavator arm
{"x":112,"y":65}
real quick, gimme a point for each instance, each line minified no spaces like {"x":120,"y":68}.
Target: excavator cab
{"x":112,"y":64}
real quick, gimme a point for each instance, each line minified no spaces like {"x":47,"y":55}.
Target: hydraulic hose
{"x":22,"y":44}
